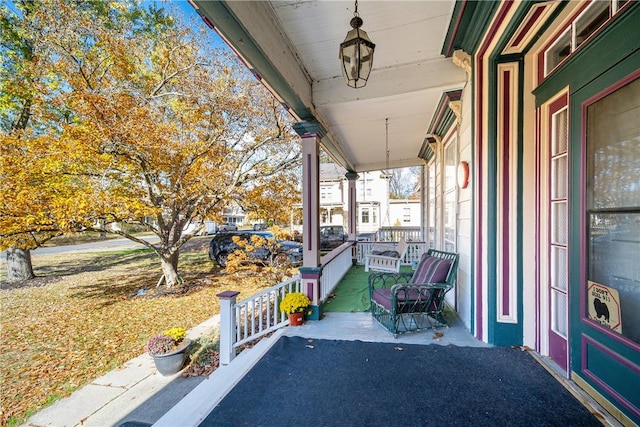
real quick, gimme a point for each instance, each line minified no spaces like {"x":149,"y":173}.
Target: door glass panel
{"x":559,"y":313}
{"x":613,"y":210}
{"x":559,"y":223}
{"x":559,"y":277}
{"x":560,"y":133}
{"x":613,"y":144}
{"x":559,"y":171}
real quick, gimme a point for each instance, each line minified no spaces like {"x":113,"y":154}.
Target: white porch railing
{"x":251,"y":318}
{"x":334,"y":266}
{"x":414,"y":251}
{"x":393,"y":234}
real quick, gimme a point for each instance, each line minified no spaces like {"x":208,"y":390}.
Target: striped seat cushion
{"x":431,"y":270}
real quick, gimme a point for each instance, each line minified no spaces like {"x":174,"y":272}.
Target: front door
{"x":607,"y":284}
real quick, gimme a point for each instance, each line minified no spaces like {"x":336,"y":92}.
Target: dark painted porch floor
{"x":137,"y":395}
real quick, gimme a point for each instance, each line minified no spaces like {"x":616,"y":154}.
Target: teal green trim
{"x":504,"y":333}
{"x":426,"y":152}
{"x":491,"y":201}
{"x":468,"y":24}
{"x":310,"y":127}
{"x":617,"y":41}
{"x":500,"y":333}
{"x":234,"y":31}
{"x":310,"y":272}
{"x":351,"y":176}
{"x":444,"y":117}
{"x":315,"y":312}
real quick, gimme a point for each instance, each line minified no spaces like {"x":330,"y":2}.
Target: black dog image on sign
{"x":601,"y":309}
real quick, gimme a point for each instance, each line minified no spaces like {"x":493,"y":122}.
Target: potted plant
{"x":168,"y":350}
{"x":295,"y":304}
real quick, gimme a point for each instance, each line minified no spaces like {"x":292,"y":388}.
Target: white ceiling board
{"x":301,"y":40}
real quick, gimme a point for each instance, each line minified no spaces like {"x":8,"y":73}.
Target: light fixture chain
{"x":386,"y":124}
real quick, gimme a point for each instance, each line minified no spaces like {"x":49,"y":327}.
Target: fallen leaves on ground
{"x":85,"y":318}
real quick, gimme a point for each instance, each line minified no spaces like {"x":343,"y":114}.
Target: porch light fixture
{"x":356,"y":54}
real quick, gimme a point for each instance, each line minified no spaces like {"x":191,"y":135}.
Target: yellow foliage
{"x":154,"y":130}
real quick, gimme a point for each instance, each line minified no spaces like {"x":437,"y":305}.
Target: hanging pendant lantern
{"x":356,"y":54}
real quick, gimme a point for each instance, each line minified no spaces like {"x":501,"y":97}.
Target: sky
{"x":189,"y":12}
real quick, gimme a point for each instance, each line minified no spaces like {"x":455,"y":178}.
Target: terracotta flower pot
{"x":296,"y":319}
{"x":172,"y":362}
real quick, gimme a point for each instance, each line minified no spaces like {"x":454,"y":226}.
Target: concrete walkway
{"x":136,"y":395}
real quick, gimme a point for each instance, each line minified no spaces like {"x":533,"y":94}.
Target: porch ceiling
{"x":292,"y":45}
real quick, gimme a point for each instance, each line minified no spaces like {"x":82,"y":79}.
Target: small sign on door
{"x":604,"y":306}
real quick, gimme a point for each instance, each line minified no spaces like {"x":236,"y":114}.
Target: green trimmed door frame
{"x":602,"y":362}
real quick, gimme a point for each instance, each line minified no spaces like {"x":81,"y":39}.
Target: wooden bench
{"x":385,"y":257}
{"x":406,"y":302}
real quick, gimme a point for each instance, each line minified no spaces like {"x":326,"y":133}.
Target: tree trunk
{"x":170,"y":268}
{"x":19,"y":265}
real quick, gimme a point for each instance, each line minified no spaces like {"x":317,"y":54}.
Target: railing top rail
{"x":268,"y":290}
{"x":326,"y":259}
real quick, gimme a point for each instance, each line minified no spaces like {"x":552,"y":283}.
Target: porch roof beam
{"x":421,"y":76}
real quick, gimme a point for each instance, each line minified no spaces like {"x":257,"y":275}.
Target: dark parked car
{"x":280,"y":252}
{"x":331,"y":236}
{"x":227,"y":226}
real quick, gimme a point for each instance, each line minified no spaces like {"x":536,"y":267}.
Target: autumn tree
{"x":41,"y":194}
{"x":174,"y":130}
{"x":403,"y":182}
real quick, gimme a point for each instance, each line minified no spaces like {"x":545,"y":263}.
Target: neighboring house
{"x":373,"y":200}
{"x":405,"y":212}
{"x":233,"y":214}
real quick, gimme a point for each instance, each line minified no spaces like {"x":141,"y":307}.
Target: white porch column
{"x":310,"y":271}
{"x":352,"y":203}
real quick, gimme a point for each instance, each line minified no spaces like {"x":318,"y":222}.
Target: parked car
{"x":227,"y":226}
{"x":331,"y":236}
{"x":282,"y":252}
{"x":260,"y":226}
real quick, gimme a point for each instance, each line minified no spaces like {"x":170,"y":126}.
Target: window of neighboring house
{"x":613,"y":211}
{"x":449,"y":195}
{"x":369,"y":192}
{"x":406,"y":217}
{"x":374,"y":215}
{"x":364,"y":218}
{"x":326,"y":192}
